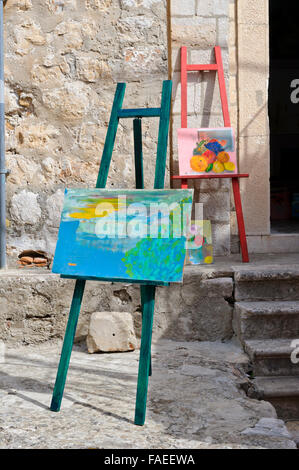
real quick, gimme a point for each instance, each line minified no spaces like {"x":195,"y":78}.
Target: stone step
{"x":282,"y":392}
{"x":267,"y":283}
{"x":293,"y":428}
{"x":272,"y":357}
{"x":266,"y":319}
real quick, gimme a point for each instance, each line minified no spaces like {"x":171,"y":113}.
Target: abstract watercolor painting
{"x":136,"y":235}
{"x":206,"y":151}
{"x":199,"y":243}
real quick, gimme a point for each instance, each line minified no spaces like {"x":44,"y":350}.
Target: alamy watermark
{"x":295,"y":93}
{"x":138,"y":220}
{"x":295,"y":352}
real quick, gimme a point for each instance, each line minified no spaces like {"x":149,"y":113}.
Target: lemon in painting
{"x":218,"y":167}
{"x":208,"y":260}
{"x":223,"y":157}
{"x":198,"y":163}
{"x":229,"y":166}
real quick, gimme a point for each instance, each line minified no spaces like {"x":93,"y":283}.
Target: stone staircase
{"x":266,"y":320}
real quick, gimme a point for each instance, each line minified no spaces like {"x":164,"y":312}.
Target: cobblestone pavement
{"x":195,"y":400}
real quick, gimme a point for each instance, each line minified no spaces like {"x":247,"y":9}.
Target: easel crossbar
{"x":139,"y":113}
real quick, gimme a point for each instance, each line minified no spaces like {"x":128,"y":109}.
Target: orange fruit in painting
{"x":223,"y":157}
{"x":218,"y":167}
{"x":198,"y":163}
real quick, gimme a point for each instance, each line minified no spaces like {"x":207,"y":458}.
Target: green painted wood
{"x":110,"y":136}
{"x":139,"y":113}
{"x":67,"y":345}
{"x":123,"y":281}
{"x":137,"y":128}
{"x":143,"y":294}
{"x":163,"y":135}
{"x":148,"y":293}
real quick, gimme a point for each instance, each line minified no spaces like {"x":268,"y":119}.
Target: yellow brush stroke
{"x":92,"y":211}
{"x":72,"y":264}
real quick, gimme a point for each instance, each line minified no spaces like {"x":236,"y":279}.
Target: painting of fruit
{"x":206,"y":151}
{"x":199,"y":243}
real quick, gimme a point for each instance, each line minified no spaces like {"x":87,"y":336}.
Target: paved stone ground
{"x":195,"y":400}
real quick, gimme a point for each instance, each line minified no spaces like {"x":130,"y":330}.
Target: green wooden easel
{"x":147,"y":290}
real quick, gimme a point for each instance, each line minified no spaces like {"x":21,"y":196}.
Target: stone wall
{"x":34,"y":306}
{"x":62,"y":61}
{"x":200,"y":25}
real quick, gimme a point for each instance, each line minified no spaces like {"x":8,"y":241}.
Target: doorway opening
{"x":284,"y":115}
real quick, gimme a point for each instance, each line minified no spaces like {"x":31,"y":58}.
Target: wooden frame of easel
{"x":148,"y":289}
{"x":217,"y":67}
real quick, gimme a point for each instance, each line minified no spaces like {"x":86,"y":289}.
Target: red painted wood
{"x":201,"y":67}
{"x":184,"y":103}
{"x":222,"y":87}
{"x":184,"y":184}
{"x":227,"y":123}
{"x":208,"y":177}
{"x":240,"y":220}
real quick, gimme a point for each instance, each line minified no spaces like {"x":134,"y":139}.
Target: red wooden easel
{"x":218,"y":67}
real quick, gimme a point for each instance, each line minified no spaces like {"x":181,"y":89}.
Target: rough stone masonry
{"x":62,"y":62}
{"x":63,"y":59}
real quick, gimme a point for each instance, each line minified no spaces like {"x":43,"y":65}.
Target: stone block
{"x":25,"y":208}
{"x":212,"y":8}
{"x":215,"y":206}
{"x":183,"y":9}
{"x":193,"y":93}
{"x":254,"y":159}
{"x":201,"y":309}
{"x":223,"y":32}
{"x":19,"y":5}
{"x":111,"y":332}
{"x":268,"y":319}
{"x":221,"y":238}
{"x":253,"y":12}
{"x":253,"y":71}
{"x":199,"y":35}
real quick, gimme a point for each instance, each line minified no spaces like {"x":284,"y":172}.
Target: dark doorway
{"x":284,"y":115}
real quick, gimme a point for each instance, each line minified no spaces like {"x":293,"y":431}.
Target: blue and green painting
{"x":134,"y":235}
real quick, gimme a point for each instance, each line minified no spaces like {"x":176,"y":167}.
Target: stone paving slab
{"x":195,"y":400}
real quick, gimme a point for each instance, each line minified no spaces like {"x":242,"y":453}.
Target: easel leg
{"x":143,"y":296}
{"x":184,"y":184}
{"x":148,"y":294}
{"x":67,"y":345}
{"x":240,"y":220}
